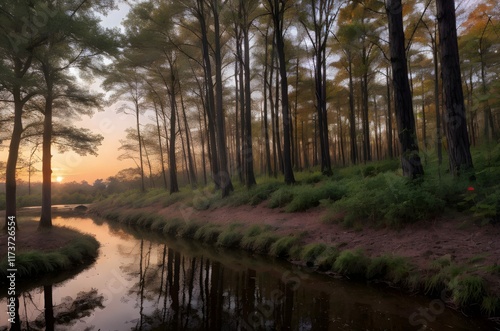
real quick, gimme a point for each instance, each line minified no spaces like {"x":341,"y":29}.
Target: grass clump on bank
{"x":34,"y":263}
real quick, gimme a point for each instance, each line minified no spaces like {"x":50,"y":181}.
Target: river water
{"x":144,"y":281}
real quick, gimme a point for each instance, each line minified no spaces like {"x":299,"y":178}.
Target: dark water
{"x":143,"y":281}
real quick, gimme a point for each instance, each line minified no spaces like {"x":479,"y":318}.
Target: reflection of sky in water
{"x":210,"y":289}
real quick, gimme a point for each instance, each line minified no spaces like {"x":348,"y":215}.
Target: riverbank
{"x":450,"y":253}
{"x":46,"y":251}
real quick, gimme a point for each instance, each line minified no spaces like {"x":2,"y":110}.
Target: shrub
{"x":392,"y":199}
{"x":280,"y":197}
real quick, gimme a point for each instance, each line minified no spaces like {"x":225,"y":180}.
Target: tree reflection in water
{"x":62,"y":315}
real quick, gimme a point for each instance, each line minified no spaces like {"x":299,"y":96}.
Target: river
{"x":145,"y":281}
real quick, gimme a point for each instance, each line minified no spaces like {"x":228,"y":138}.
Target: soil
{"x":455,"y":236}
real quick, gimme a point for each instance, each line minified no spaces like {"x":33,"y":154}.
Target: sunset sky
{"x":72,"y":167}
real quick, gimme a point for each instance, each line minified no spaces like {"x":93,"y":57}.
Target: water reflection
{"x":144,"y":281}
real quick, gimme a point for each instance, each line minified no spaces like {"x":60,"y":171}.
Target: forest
{"x":223,"y":92}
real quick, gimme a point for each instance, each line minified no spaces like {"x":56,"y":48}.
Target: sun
{"x":59,"y":179}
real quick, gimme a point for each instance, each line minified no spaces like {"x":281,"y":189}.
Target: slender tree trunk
{"x":280,"y":46}
{"x":210,"y":98}
{"x":238,"y":109}
{"x":365,"y":121}
{"x":248,"y":152}
{"x":151,"y":180}
{"x":279,"y":149}
{"x":352,"y":118}
{"x":439,"y":144}
{"x":162,"y":159}
{"x":138,"y":128}
{"x":224,"y":176}
{"x":202,"y":140}
{"x":46,"y":212}
{"x":410,"y":160}
{"x":10,"y":173}
{"x":191,"y":165}
{"x":174,"y":186}
{"x":266,"y":121}
{"x":456,"y":123}
{"x":389,"y":117}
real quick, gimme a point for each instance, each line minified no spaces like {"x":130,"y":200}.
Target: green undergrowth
{"x":464,"y":283}
{"x":32,"y":264}
{"x":373,"y":194}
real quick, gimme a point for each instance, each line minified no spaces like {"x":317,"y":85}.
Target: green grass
{"x":207,"y":233}
{"x":312,"y":251}
{"x":393,"y":268}
{"x":282,"y":246}
{"x":354,"y":264}
{"x":36,"y":263}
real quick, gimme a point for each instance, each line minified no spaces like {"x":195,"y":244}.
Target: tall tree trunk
{"x":389,"y":117}
{"x":10,"y":173}
{"x":266,"y":121}
{"x":238,"y":109}
{"x":410,"y":160}
{"x":280,"y":46}
{"x":46,"y":212}
{"x":138,"y":128}
{"x":352,"y":117}
{"x":439,"y":144}
{"x":248,"y":152}
{"x":210,"y":97}
{"x":277,"y":119}
{"x":191,"y":164}
{"x":365,"y":121}
{"x":151,"y":180}
{"x":174,"y":186}
{"x":456,"y":123}
{"x":225,"y":179}
{"x":162,"y":159}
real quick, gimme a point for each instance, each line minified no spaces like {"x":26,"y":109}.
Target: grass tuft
{"x":352,"y":263}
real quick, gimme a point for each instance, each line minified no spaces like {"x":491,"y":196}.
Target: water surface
{"x":145,"y":281}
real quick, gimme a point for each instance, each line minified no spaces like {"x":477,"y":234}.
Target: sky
{"x":70,"y":166}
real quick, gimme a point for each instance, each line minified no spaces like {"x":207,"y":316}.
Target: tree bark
{"x":278,"y":13}
{"x":46,"y":212}
{"x":410,"y":160}
{"x":224,"y":177}
{"x":248,"y":149}
{"x":455,"y":119}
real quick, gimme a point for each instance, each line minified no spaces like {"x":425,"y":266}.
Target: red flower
{"x":470,"y":188}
